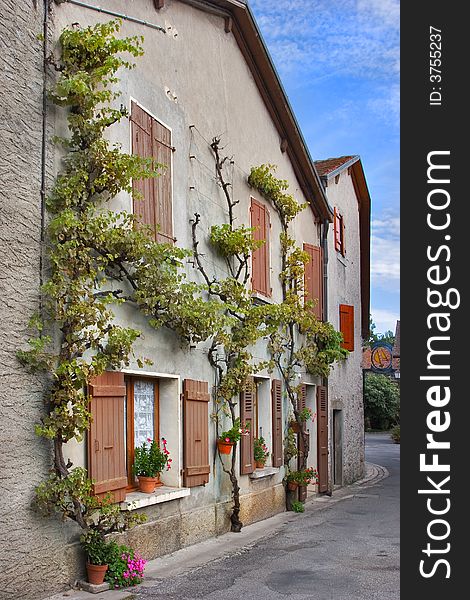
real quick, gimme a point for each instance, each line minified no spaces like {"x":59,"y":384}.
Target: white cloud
{"x":385,"y":253}
{"x":385,"y":320}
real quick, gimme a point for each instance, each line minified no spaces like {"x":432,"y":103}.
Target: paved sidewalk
{"x":197,"y":556}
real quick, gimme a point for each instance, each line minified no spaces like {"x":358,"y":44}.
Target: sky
{"x":339,"y":63}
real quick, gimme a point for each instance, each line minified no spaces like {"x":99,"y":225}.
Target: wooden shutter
{"x":276,"y":395}
{"x":314,"y":278}
{"x":106,"y":449}
{"x":300,"y":440}
{"x":343,"y":237}
{"x":260,"y":280}
{"x":337,"y":228}
{"x":162,"y":153}
{"x":151,"y":139}
{"x":195,"y":433}
{"x":346,"y":326}
{"x":322,"y":428}
{"x":247,"y":459}
{"x":143,"y":204}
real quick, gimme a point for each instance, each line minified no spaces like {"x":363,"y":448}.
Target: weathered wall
{"x":344,"y":287}
{"x":34,"y":561}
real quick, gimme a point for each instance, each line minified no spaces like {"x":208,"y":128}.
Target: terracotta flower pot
{"x":224,"y":447}
{"x":259,"y":464}
{"x":148,"y":484}
{"x":292,"y":486}
{"x":96,"y":573}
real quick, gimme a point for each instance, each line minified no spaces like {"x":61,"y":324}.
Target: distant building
{"x":394,"y":372}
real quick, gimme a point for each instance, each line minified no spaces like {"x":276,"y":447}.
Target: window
{"x":153,"y":197}
{"x":260,"y":280}
{"x":142,"y":417}
{"x":340,"y":242}
{"x":346,"y":326}
{"x":314,"y":278}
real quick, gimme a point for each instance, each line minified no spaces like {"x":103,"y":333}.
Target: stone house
{"x":207,"y":73}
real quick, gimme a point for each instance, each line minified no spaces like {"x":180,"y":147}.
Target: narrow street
{"x":347,"y":550}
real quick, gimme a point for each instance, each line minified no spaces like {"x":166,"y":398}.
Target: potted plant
{"x":149,"y":462}
{"x":126,"y":567}
{"x":97,"y":555}
{"x":307,"y":413}
{"x":261,"y":452}
{"x":229,"y":438}
{"x":301,"y":478}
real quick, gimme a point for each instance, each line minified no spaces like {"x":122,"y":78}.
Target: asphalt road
{"x":348,"y":550}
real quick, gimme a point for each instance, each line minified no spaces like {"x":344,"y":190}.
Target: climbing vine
{"x":99,"y":259}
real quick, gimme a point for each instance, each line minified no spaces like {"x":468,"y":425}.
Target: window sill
{"x":266,"y":472}
{"x":136,"y":500}
{"x":261,"y":299}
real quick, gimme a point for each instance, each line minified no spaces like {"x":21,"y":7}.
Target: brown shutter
{"x":346,"y":326}
{"x":144,"y":205}
{"x":260,"y":258}
{"x":162,"y":152}
{"x":314,"y":278}
{"x":300,"y":439}
{"x":322,"y":428}
{"x":106,"y":449}
{"x":343,"y":237}
{"x":195,"y":433}
{"x":247,"y":459}
{"x":337,"y":228}
{"x":276,"y":395}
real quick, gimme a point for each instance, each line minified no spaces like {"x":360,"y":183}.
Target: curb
{"x":198,"y":555}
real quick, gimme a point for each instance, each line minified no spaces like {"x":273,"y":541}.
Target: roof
{"x":328,"y":166}
{"x":240,"y":21}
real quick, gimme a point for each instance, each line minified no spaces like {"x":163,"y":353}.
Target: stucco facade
{"x":196,"y":81}
{"x":346,"y":287}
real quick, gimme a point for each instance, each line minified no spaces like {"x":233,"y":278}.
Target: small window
{"x":153,"y":197}
{"x":340,"y":242}
{"x":346,"y":326}
{"x":142,"y":417}
{"x":260,"y":279}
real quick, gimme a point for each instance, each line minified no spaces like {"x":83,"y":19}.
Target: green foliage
{"x":388,"y":336}
{"x":395,"y":433}
{"x":67,"y":495}
{"x":260,"y":449}
{"x":125,"y":567}
{"x":381,"y":401}
{"x":97,"y":549}
{"x":297,"y":506}
{"x":232,"y":241}
{"x":303,"y":476}
{"x":234,"y":434}
{"x":290,"y":446}
{"x":151,"y":460}
{"x":262,"y":178}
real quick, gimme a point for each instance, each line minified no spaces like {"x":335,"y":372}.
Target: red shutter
{"x":162,"y":152}
{"x":247,"y":459}
{"x":346,"y":326}
{"x":195,"y":433}
{"x":144,"y":204}
{"x":314,"y":278}
{"x":106,"y":448}
{"x":276,"y":395}
{"x":260,"y":258}
{"x":322,"y":428}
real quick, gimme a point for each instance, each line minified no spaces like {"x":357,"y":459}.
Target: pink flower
{"x":227,"y":439}
{"x":149,"y":440}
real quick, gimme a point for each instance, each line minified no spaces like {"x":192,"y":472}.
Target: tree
{"x":381,"y":402}
{"x":388,"y":336}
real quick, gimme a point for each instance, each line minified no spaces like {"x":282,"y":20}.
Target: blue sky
{"x":339,"y":63}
